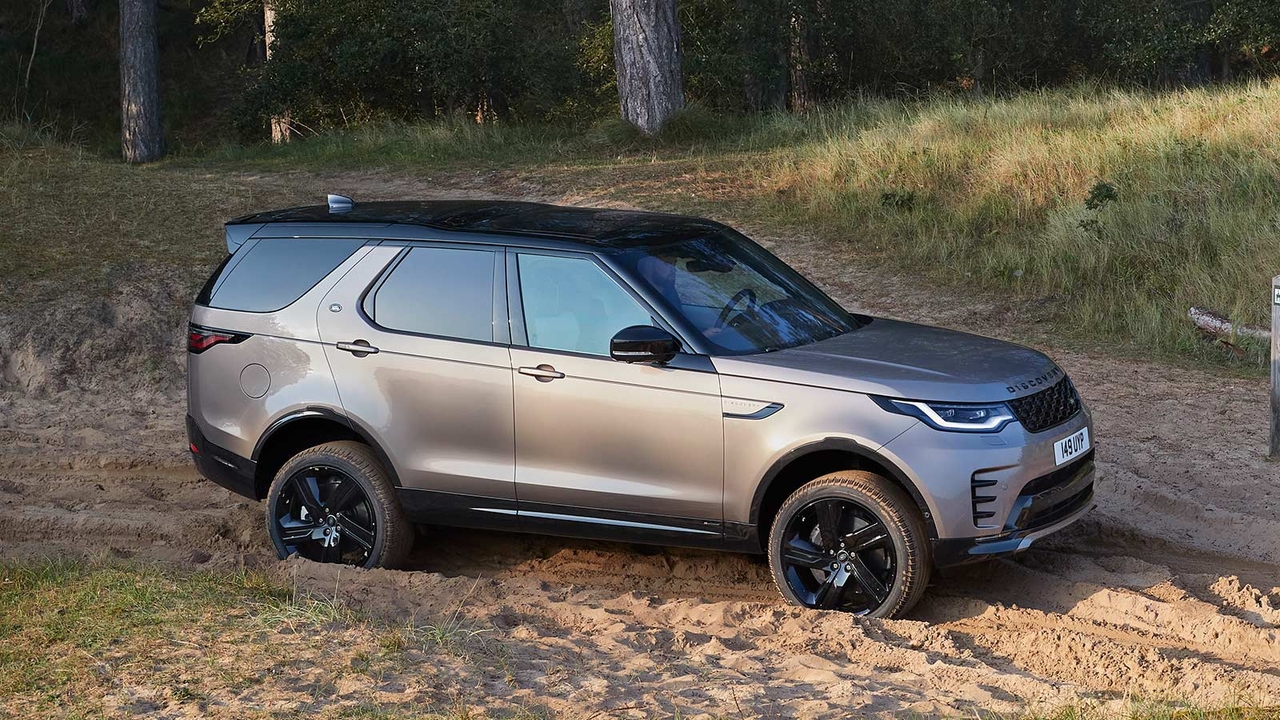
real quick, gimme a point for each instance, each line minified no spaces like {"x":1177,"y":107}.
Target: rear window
{"x":275,"y":272}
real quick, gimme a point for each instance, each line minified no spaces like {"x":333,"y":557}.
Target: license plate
{"x":1071,"y":446}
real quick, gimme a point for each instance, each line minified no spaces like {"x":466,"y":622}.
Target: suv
{"x":615,"y":375}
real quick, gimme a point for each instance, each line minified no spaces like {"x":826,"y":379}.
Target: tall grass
{"x":1123,"y":208}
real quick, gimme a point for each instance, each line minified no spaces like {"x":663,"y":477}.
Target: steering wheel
{"x":746,"y":294}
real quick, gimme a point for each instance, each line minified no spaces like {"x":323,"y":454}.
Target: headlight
{"x":952,"y":417}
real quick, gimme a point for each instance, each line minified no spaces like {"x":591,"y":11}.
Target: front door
{"x":416,"y":338}
{"x":605,"y":447}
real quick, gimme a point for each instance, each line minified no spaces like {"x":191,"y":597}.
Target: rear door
{"x":605,"y":447}
{"x":417,"y":338}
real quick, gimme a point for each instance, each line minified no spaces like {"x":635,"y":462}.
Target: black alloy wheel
{"x":324,"y":515}
{"x":838,"y":556}
{"x":335,"y":503}
{"x":850,"y":541}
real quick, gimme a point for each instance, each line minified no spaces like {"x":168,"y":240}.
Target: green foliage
{"x":337,"y":64}
{"x":1175,"y":41}
{"x":74,"y":84}
{"x":221,"y":18}
{"x":342,"y":64}
{"x":1246,"y":27}
{"x":898,"y":199}
{"x":1100,"y":194}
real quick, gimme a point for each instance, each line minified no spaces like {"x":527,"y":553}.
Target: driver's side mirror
{"x":643,"y":344}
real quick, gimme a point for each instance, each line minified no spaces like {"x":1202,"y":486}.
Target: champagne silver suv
{"x":616,"y":375}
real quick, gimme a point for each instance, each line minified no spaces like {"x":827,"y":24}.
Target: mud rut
{"x":1171,"y":589}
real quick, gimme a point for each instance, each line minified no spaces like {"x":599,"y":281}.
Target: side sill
{"x":430,"y":507}
{"x":456,"y":510}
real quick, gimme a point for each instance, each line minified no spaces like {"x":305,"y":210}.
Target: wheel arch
{"x":810,"y":461}
{"x":298,"y":430}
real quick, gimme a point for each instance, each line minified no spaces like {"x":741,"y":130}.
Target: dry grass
{"x":108,"y":640}
{"x":1123,"y":208}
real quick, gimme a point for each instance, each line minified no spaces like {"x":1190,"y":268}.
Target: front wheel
{"x":334,"y":503}
{"x":850,"y":541}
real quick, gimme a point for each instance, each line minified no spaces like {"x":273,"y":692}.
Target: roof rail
{"x":340,"y":203}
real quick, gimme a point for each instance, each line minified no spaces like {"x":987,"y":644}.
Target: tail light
{"x":200,"y":339}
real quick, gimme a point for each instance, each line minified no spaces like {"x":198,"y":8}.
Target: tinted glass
{"x":206,"y":292}
{"x":276,"y":272}
{"x":737,"y":294}
{"x":438,"y":291}
{"x":571,"y":304}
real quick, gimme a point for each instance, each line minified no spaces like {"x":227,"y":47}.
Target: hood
{"x":908,"y":361}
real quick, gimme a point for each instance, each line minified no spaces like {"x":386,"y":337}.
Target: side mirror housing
{"x":643,"y":344}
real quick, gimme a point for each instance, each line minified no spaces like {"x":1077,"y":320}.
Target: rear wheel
{"x":850,"y":541}
{"x":334,"y":503}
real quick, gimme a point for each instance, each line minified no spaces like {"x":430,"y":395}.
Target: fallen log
{"x":1218,"y":325}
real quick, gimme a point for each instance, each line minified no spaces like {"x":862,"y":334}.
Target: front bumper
{"x":984,"y":493}
{"x":237,"y":474}
{"x":1034,"y":517}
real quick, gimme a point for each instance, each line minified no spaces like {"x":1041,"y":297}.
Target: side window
{"x":438,"y":291}
{"x":278,"y":271}
{"x":571,"y":304}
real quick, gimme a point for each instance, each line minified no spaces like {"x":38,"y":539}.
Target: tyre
{"x":850,"y":541}
{"x":334,"y":503}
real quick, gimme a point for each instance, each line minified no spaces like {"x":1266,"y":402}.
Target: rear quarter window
{"x":275,"y":272}
{"x":443,"y":292}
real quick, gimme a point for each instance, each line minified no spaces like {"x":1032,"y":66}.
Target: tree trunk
{"x":141,"y":134}
{"x":646,"y":51}
{"x":279,"y":123}
{"x":800,"y":59}
{"x":79,"y":10}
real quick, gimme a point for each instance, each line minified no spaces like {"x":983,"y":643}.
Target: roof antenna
{"x":340,"y":203}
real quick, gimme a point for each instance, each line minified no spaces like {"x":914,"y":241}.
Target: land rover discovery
{"x":615,"y":375}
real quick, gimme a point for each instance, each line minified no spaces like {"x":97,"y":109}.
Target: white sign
{"x":1276,"y":299}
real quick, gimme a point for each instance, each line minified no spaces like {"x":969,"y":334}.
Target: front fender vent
{"x":984,"y":498}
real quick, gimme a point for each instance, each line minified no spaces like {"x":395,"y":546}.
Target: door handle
{"x":543,"y":373}
{"x":359,"y":348}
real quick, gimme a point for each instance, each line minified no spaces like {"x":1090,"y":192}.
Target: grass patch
{"x":89,"y":640}
{"x":70,"y":631}
{"x":1124,"y":209}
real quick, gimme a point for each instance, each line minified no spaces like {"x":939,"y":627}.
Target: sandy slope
{"x":1171,"y":589}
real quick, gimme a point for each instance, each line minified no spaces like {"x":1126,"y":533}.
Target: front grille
{"x":1047,"y":408}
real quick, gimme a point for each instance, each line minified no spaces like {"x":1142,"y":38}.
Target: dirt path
{"x":1170,"y":590}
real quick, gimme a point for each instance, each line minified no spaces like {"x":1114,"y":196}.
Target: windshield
{"x":740,"y":297}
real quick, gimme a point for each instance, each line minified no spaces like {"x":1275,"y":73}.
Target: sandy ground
{"x":1170,"y":590}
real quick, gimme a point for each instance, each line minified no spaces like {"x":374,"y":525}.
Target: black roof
{"x":603,"y":227}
